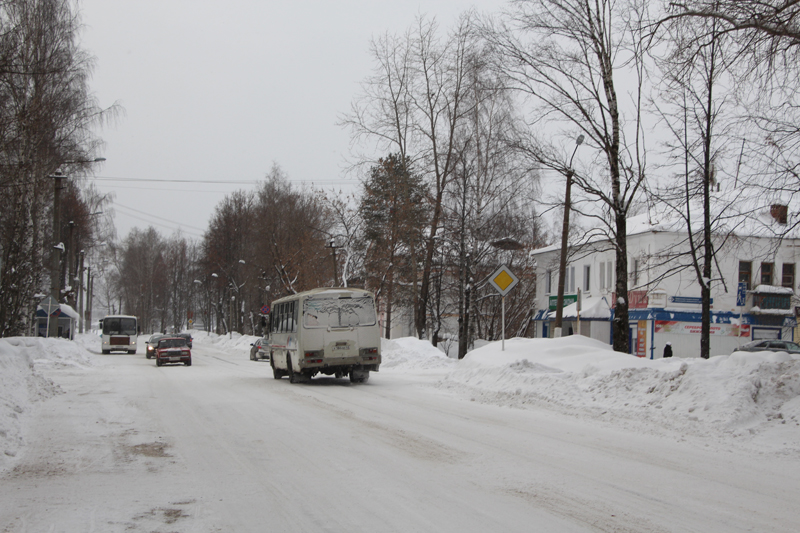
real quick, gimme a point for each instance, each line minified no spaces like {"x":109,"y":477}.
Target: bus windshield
{"x":338,"y":312}
{"x":119,"y":326}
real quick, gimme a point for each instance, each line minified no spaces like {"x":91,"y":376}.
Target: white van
{"x":330,"y":331}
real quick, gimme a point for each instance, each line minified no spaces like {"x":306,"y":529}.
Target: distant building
{"x":758,"y":270}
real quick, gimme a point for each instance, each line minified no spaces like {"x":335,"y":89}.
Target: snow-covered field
{"x":739,"y":404}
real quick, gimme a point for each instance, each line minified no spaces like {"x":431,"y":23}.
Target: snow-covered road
{"x":221,"y":446}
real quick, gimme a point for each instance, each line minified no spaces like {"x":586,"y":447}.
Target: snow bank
{"x":235,"y":342}
{"x":22,"y":385}
{"x":411,"y":354}
{"x":746,"y":394}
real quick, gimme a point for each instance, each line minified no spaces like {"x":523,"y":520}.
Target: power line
{"x":220,"y":182}
{"x":177,"y":225}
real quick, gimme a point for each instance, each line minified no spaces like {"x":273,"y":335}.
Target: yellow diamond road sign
{"x":503,"y":280}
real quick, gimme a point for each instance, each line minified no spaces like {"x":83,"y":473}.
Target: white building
{"x":664,"y":294}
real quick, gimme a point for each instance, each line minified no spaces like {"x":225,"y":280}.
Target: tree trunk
{"x":620,"y":326}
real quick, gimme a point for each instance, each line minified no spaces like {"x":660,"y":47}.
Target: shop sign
{"x":692,"y":328}
{"x":569,"y":299}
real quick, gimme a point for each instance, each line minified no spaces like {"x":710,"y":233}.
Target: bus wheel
{"x":277,"y":374}
{"x":106,"y":351}
{"x":292,"y":376}
{"x":131,"y":351}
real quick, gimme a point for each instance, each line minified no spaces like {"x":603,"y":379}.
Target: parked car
{"x":187,"y":336}
{"x":173,"y":350}
{"x":770,"y":345}
{"x":150,"y":346}
{"x":259,"y":349}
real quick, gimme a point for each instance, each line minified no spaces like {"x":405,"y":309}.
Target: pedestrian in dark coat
{"x":668,"y":350}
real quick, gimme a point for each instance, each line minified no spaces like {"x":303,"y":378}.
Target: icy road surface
{"x":222,"y":447}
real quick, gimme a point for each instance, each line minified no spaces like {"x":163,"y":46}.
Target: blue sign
{"x":688,"y":300}
{"x":741,"y":293}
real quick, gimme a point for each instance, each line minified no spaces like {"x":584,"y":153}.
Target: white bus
{"x":329,"y":331}
{"x":120,"y":333}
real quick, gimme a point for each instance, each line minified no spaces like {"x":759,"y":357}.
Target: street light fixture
{"x":562,"y":265}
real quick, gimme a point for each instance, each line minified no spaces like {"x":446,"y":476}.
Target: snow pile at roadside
{"x":21,"y":385}
{"x":410,"y":354}
{"x":746,"y":394}
{"x":236,"y":341}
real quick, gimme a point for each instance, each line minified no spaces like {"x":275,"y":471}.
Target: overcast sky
{"x":219,"y":91}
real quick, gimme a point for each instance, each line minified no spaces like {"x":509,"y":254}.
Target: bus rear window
{"x":338,"y":312}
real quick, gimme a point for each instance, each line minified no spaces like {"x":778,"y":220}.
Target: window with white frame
{"x":635,"y":273}
{"x":602,"y":275}
{"x":571,"y":279}
{"x":587,"y":278}
{"x":548,"y":281}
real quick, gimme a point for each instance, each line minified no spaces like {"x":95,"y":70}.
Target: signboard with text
{"x":569,"y":299}
{"x":688,"y":328}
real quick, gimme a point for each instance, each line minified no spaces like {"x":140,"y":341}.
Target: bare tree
{"x":698,"y":106}
{"x":568,"y":57}
{"x":413,"y":106}
{"x":46,"y":116}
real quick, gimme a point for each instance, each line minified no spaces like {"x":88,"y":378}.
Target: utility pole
{"x":55,"y":251}
{"x":89,"y":296}
{"x":333,"y":251}
{"x":562,"y":265}
{"x":80,"y":292}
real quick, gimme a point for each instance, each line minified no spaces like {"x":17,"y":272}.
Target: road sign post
{"x":49,"y":304}
{"x":503,"y":280}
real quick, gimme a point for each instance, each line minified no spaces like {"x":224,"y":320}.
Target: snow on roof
{"x":70,"y":311}
{"x":757,"y":223}
{"x":594,"y":307}
{"x":772,"y":289}
{"x":67,"y":310}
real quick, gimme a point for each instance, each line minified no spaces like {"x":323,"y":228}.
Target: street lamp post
{"x":58,"y":246}
{"x":562,"y":265}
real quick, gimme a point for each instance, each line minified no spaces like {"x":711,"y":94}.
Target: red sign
{"x":636,"y":299}
{"x":265,"y":310}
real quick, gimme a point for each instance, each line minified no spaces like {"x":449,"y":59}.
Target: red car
{"x":173,"y":350}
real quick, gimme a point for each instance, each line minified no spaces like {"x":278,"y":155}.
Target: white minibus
{"x":329,"y":331}
{"x":119,"y":333}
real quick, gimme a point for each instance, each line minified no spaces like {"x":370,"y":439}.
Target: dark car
{"x":187,"y":336}
{"x":173,"y":350}
{"x":150,"y":346}
{"x":259,"y":349}
{"x":770,"y":345}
